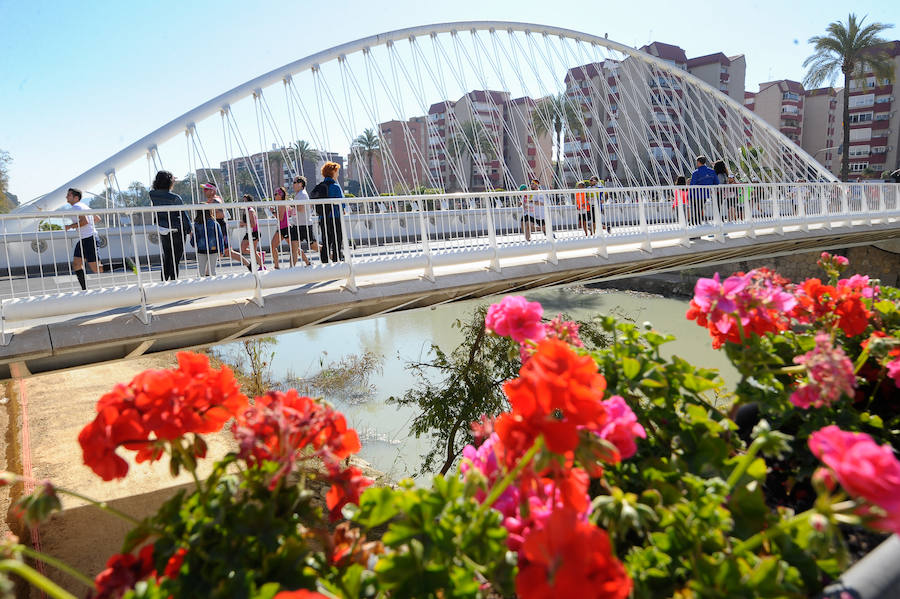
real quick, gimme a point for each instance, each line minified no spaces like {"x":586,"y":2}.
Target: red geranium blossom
{"x":279,"y":425}
{"x":301,"y":594}
{"x":557,"y":392}
{"x":122,"y":572}
{"x":570,"y":558}
{"x":841,"y":306}
{"x":347,"y":485}
{"x":158,"y":406}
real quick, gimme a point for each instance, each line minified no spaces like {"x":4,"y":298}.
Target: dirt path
{"x":58,"y":406}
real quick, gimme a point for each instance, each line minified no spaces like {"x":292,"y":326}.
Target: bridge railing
{"x":382,"y":235}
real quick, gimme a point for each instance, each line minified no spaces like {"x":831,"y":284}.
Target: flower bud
{"x":823,"y":479}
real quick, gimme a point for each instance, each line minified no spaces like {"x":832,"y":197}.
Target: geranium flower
{"x":756,"y":300}
{"x":301,"y":594}
{"x":893,"y":367}
{"x":122,"y":572}
{"x":829,"y":372}
{"x":158,"y":406}
{"x":279,"y":425}
{"x":864,"y":469}
{"x":622,"y":428}
{"x":841,"y":306}
{"x":347,"y":486}
{"x":570,"y":558}
{"x":557,"y":392}
{"x":517,"y":318}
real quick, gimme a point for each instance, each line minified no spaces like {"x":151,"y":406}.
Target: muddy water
{"x":407,"y":336}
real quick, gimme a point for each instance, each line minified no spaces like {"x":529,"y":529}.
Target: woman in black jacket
{"x":175,"y":223}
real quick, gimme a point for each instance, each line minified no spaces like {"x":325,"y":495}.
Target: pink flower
{"x":893,"y":370}
{"x":830,"y":375}
{"x":623,"y":426}
{"x":516,"y":317}
{"x":859,"y":283}
{"x":864,"y":469}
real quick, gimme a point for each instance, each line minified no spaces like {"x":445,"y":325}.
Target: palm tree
{"x":471,"y":135}
{"x":303,"y":152}
{"x":368,"y":143}
{"x":853,"y":50}
{"x":559,"y":114}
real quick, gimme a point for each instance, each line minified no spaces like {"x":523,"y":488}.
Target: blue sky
{"x":80,"y":80}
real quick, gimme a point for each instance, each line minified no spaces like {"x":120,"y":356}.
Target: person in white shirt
{"x":534,"y":210}
{"x":86,"y":247}
{"x":303,"y":217}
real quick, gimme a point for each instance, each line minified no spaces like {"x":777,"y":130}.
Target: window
{"x":884,"y":116}
{"x":790,"y":110}
{"x":790,"y":96}
{"x":883,"y":99}
{"x":861,"y":117}
{"x":859,"y":151}
{"x":860,"y":101}
{"x":613,"y":157}
{"x":861,"y":134}
{"x":662,"y":153}
{"x":858,"y":167}
{"x":879,"y":150}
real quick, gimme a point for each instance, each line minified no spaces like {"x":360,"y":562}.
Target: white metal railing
{"x":399,"y":233}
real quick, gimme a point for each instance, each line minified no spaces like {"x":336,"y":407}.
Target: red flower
{"x":347,"y":486}
{"x":122,"y":572}
{"x":158,"y":406}
{"x":841,"y":306}
{"x":569,"y":558}
{"x":279,"y":425}
{"x":557,"y":392}
{"x":173,"y":566}
{"x":301,"y":594}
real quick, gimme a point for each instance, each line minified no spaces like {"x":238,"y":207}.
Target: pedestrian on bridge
{"x":253,"y":222}
{"x":211,"y":191}
{"x":207,"y":237}
{"x":303,"y":211}
{"x":173,"y":224}
{"x":703,"y":176}
{"x":86,"y":247}
{"x":332,"y":246}
{"x":533,"y":208}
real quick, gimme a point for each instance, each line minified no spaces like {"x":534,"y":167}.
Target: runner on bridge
{"x":86,"y":247}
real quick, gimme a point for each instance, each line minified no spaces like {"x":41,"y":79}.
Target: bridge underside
{"x":119,"y":335}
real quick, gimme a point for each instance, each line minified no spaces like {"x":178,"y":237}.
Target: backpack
{"x":319,"y":192}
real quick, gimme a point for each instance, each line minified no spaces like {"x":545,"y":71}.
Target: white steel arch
{"x":649,"y":66}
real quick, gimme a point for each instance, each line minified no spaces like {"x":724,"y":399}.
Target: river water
{"x":406,"y":336}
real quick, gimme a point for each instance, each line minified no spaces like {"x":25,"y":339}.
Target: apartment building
{"x":508,"y":150}
{"x":822,"y":126}
{"x":875,"y":121}
{"x":779,"y":103}
{"x":725,"y":73}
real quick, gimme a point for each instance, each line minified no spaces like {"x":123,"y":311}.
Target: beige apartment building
{"x":814,"y":119}
{"x":612,"y":142}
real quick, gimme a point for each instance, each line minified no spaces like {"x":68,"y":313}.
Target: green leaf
{"x":377,"y":505}
{"x":886,"y":306}
{"x":631,"y":367}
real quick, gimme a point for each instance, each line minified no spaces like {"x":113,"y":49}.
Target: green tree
{"x":455,"y":389}
{"x":471,"y":136}
{"x":5,"y":203}
{"x":368,"y":143}
{"x":853,"y":50}
{"x":558,"y":116}
{"x":304,"y":153}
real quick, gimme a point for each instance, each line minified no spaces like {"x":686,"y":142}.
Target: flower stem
{"x":56,"y":563}
{"x":760,"y":537}
{"x":744,"y":464}
{"x":512,"y":475}
{"x":35,"y":579}
{"x":789,"y":369}
{"x":100,"y":504}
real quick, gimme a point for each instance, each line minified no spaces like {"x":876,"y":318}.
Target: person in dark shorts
{"x":303,"y":212}
{"x":86,"y":246}
{"x":211,"y":191}
{"x":286,"y":229}
{"x":248,"y":217}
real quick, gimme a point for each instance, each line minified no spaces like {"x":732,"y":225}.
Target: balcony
{"x":879,"y":125}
